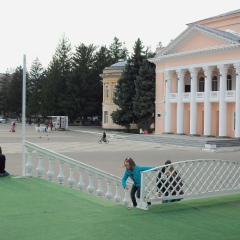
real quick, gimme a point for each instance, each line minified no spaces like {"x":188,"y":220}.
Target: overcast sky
{"x":34,"y":27}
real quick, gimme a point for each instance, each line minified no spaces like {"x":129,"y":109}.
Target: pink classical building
{"x":198,"y":79}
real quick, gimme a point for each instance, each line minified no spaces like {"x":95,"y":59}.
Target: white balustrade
{"x":38,"y":157}
{"x":126,"y":200}
{"x":40,"y":165}
{"x":100,"y":188}
{"x":186,"y":97}
{"x":50,"y":172}
{"x":29,"y":164}
{"x":61,"y":176}
{"x":214,"y":96}
{"x":117,"y":197}
{"x":90,"y":187}
{"x":199,"y":96}
{"x":109,"y":190}
{"x":81,"y":184}
{"x":173,"y":97}
{"x":230,"y":96}
{"x":71,"y":179}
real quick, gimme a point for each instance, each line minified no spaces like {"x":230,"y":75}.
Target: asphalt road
{"x":81,"y":144}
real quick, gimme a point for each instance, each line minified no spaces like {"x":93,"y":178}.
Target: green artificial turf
{"x":35,"y":209}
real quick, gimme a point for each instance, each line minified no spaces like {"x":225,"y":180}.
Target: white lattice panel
{"x":189,"y":179}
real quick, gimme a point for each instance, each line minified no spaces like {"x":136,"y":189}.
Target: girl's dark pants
{"x":133,"y":192}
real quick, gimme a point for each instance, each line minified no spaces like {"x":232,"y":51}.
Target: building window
{"x":107,"y":91}
{"x":105,"y":116}
{"x":159,"y":115}
{"x":229,"y":82}
{"x":201,"y":84}
{"x":234,"y":121}
{"x":115,"y":90}
{"x":214,"y":83}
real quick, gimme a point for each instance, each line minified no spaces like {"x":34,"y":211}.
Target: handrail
{"x":189,"y":179}
{"x":101,"y":175}
{"x":72,"y":161}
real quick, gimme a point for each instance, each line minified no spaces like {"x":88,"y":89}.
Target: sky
{"x":34,"y":27}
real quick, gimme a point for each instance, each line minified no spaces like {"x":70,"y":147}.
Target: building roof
{"x":118,"y":64}
{"x":220,"y":15}
{"x":229,"y":35}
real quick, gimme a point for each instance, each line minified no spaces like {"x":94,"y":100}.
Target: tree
{"x":125,"y":89}
{"x":36,"y":80}
{"x":144,"y":100}
{"x":118,"y":51}
{"x":4,"y":93}
{"x":57,"y":75}
{"x":81,"y":85}
{"x":103,"y":59}
{"x":14,"y":91}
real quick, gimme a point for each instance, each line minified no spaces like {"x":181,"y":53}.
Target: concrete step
{"x":183,"y":140}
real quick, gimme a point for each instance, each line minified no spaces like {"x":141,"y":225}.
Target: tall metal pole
{"x":23,"y":114}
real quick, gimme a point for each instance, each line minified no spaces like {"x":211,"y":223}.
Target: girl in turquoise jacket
{"x":134,"y":172}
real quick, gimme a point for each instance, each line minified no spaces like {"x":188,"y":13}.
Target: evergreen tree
{"x":103,"y":59}
{"x":6,"y":79}
{"x":55,"y":87}
{"x":14,"y":91}
{"x":144,"y":100}
{"x":81,"y":86}
{"x":36,"y":79}
{"x":125,"y":90}
{"x":118,"y":51}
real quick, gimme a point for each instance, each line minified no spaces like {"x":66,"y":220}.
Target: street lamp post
{"x":23,"y":114}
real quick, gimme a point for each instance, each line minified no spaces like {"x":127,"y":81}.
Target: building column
{"x":193,"y":103}
{"x":168,"y":105}
{"x":237,"y":103}
{"x":180,"y":104}
{"x":207,"y":103}
{"x":222,"y":104}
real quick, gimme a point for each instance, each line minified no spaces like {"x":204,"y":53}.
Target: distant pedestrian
{"x":104,"y":136}
{"x":13,"y":127}
{"x":141,"y":131}
{"x":51,"y":124}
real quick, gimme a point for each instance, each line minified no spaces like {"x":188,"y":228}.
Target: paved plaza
{"x":81,"y":144}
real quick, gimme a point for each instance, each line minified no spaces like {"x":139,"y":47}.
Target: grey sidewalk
{"x":174,"y":140}
{"x":81,"y":144}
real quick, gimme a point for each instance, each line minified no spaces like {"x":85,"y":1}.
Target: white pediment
{"x":195,"y":38}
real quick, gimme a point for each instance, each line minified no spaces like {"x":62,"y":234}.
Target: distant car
{"x":3,"y":120}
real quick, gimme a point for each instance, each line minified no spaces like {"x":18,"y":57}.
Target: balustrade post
{"x":100,"y":188}
{"x":109,"y":190}
{"x":117,"y":197}
{"x":126,"y":200}
{"x":90,"y":187}
{"x":61,"y":176}
{"x":29,"y":164}
{"x":50,"y":172}
{"x":81,"y":184}
{"x":40,"y":165}
{"x":71,"y":179}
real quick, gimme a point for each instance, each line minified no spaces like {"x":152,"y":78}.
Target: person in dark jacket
{"x":3,"y":173}
{"x":104,"y":136}
{"x":134,"y":172}
{"x":169,"y":183}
